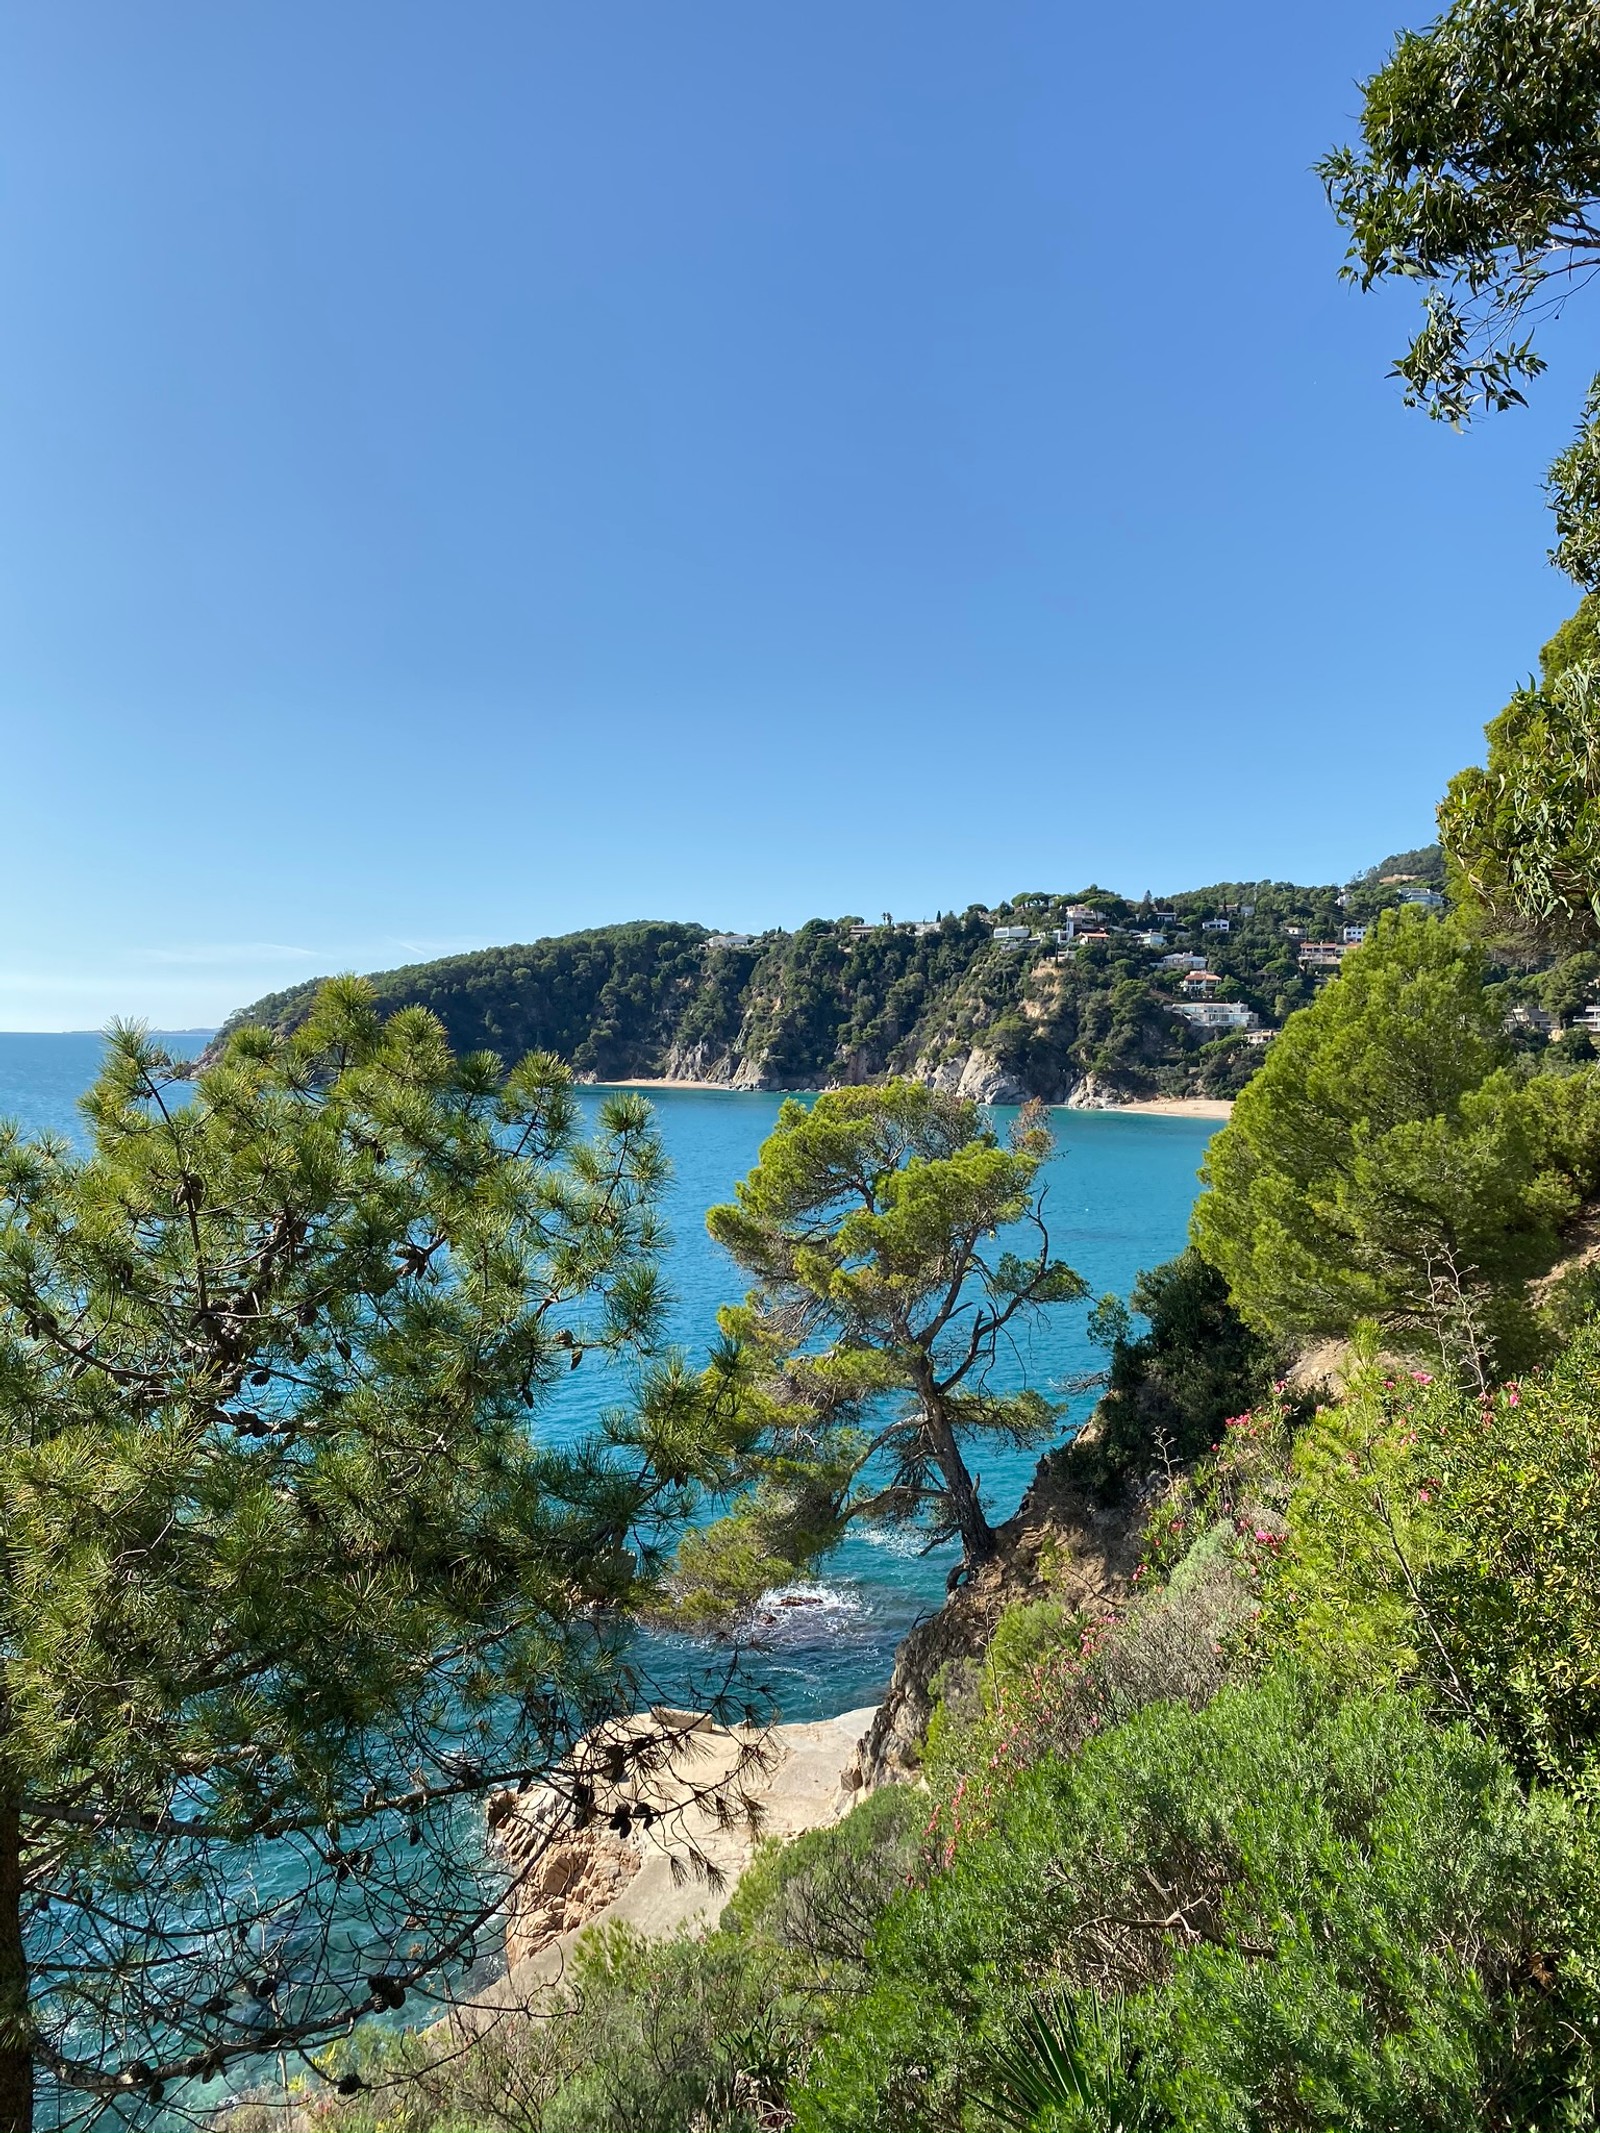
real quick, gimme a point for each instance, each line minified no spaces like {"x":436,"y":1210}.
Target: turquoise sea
{"x":1119,"y":1194}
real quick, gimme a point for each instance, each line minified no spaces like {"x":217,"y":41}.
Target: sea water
{"x":1118,"y":1194}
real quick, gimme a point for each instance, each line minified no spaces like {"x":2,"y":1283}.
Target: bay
{"x":1119,"y":1191}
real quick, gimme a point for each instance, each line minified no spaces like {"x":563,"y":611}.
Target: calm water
{"x":1120,"y":1190}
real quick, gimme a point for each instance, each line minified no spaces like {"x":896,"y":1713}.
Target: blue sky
{"x":467,"y":473}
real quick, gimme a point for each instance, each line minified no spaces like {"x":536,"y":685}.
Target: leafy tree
{"x":1172,"y":1387}
{"x":1567,"y":989}
{"x":1479,"y":176}
{"x":1523,"y":835}
{"x":862,"y":1359}
{"x":288,"y":1580}
{"x":1388,"y":1164}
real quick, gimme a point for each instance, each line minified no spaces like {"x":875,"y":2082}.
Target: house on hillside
{"x":730,"y":940}
{"x":1213,"y":1015}
{"x":1425,"y":898}
{"x":1181,"y":959}
{"x":1321,"y":955}
{"x":1354,"y":935}
{"x":1216,"y":925}
{"x":1200,"y":983}
{"x":1537,"y":1019}
{"x":1009,"y":937}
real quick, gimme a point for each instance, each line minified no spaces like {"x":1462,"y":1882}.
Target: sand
{"x":1176,"y":1107}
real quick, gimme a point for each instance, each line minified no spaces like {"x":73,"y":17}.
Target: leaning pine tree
{"x":288,"y":1578}
{"x":863,"y":1360}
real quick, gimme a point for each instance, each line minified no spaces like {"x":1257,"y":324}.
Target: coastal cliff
{"x":1090,"y":1000}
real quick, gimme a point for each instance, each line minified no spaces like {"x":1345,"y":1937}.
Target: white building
{"x":1151,"y":940}
{"x":1354,"y":935}
{"x":731,"y":940}
{"x":1010,"y":936}
{"x":1216,"y":925}
{"x":1217,"y":1014}
{"x":1428,"y":899}
{"x":1181,"y":959}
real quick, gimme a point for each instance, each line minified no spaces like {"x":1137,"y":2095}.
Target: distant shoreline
{"x":1153,"y":1107}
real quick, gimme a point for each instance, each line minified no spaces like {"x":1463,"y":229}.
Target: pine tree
{"x":861,"y":1362}
{"x":289,"y":1579}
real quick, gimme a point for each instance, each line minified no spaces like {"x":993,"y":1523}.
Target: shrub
{"x":1314,"y":1913}
{"x":1170,"y":1390}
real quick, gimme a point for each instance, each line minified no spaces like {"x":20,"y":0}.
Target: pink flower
{"x":1426,"y":1495}
{"x":1513,"y":1398}
{"x":1422,"y":1377}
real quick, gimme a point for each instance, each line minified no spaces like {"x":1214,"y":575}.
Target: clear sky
{"x":468,"y":472}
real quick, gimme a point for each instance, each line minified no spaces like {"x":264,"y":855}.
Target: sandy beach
{"x":1177,"y":1107}
{"x":1156,"y":1107}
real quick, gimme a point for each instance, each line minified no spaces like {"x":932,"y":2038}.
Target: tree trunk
{"x":978,"y":1543}
{"x":16,"y":2030}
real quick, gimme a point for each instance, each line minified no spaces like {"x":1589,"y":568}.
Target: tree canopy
{"x":863,"y":1359}
{"x":288,"y":1575}
{"x":1388,"y":1163}
{"x":1478,"y":175}
{"x":1523,"y":833}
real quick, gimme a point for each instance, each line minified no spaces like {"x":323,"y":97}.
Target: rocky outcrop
{"x":1093,"y":1093}
{"x":652,"y":1821}
{"x":1059,"y":1544}
{"x":976,"y":1076}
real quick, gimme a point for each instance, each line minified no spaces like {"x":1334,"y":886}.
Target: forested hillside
{"x":1086,"y":1002}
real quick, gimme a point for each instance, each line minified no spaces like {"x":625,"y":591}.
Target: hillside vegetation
{"x":1095,"y":1016}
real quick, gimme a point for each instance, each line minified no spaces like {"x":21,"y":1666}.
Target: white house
{"x":1321,"y":955}
{"x":1010,"y":936}
{"x":730,"y":940}
{"x":1428,"y":899}
{"x":1151,"y":940}
{"x":1216,"y":925}
{"x":1217,"y":1014}
{"x":1199,"y":981}
{"x":1354,"y":935}
{"x":1181,"y":959}
{"x":1538,"y":1019}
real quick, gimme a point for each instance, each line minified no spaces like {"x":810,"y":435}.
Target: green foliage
{"x":608,"y":1001}
{"x":1523,"y":835}
{"x":861,"y":1358}
{"x":1311,"y":1912}
{"x":1478,"y":174}
{"x":1451,"y":1541}
{"x":288,"y":1575}
{"x":665,"y":2036}
{"x":1574,"y":489}
{"x":1388,"y":1164}
{"x":1065,"y":2062}
{"x":1171,"y":1390}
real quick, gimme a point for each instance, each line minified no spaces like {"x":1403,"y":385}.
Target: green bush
{"x":1171,"y":1390}
{"x":1314,"y":1913}
{"x":1452,"y":1540}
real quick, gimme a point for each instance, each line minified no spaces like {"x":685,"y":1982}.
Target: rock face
{"x":1091,"y":1552}
{"x":976,"y":1076}
{"x":693,"y":1798}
